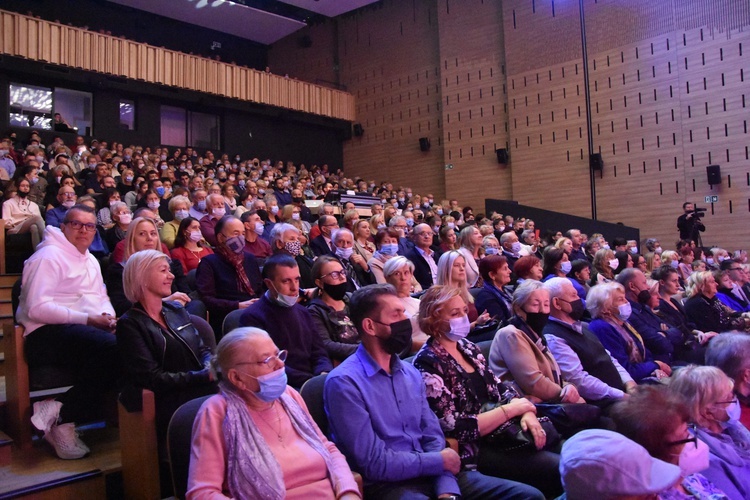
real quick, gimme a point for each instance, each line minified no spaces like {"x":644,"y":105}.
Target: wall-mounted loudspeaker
{"x":358,"y":130}
{"x":596,"y":162}
{"x":424,"y":144}
{"x":714,"y":174}
{"x":502,"y":156}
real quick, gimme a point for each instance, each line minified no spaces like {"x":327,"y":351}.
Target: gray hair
{"x":506,"y":236}
{"x":599,"y":299}
{"x":137,"y":268}
{"x":523,"y":292}
{"x":730,"y":352}
{"x":556,"y":286}
{"x":215,"y":197}
{"x":395,"y":220}
{"x":627,"y":275}
{"x":114,"y":207}
{"x":338,"y":233}
{"x":395,"y":263}
{"x":277,"y":233}
{"x":700,"y":387}
{"x":176,"y":200}
{"x":226,"y":350}
{"x":527,"y":233}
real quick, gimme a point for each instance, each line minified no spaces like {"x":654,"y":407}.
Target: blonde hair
{"x":445,"y":269}
{"x":696,"y":282}
{"x":431,"y":305}
{"x":129,"y":248}
{"x":137,"y":268}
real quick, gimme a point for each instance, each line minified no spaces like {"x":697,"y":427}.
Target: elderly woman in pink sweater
{"x":256,"y":439}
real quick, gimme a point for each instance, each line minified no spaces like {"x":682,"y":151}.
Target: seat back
{"x":484,"y":346}
{"x":231,"y":321}
{"x":312,"y":392}
{"x":179,"y":439}
{"x":205,"y":331}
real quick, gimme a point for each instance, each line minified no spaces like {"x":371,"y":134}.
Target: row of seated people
{"x":541,"y":377}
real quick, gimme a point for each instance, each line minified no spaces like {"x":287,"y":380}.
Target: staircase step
{"x":8,"y":279}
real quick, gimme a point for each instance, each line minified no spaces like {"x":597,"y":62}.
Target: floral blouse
{"x":451,"y":396}
{"x":697,"y":486}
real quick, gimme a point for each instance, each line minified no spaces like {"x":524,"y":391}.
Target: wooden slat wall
{"x":39,"y":40}
{"x":475,"y":114}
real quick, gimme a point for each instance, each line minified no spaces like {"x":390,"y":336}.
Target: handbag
{"x":510,"y":436}
{"x":569,"y":418}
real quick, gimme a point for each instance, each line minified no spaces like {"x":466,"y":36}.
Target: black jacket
{"x":174,"y":368}
{"x":421,"y":267}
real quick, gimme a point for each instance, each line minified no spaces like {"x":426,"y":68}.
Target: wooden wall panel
{"x":389,"y":61}
{"x":30,"y":38}
{"x":474,"y":110}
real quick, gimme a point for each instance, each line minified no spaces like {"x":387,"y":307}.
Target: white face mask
{"x":566,"y":266}
{"x":259,"y":228}
{"x":275,"y":209}
{"x":218,"y":212}
{"x":657,"y":250}
{"x":295,"y":216}
{"x":286,"y":300}
{"x":153,"y":205}
{"x":624,"y":311}
{"x":516,"y":247}
{"x":195,"y":236}
{"x":460,"y":328}
{"x":613,"y":263}
{"x":344,"y":253}
{"x":694,"y":458}
{"x":126,"y":218}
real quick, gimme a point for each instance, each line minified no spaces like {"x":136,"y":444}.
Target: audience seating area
{"x":147,"y":179}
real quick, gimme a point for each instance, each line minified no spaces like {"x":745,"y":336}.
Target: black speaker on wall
{"x":424,"y":144}
{"x":358,"y":130}
{"x":714,"y":174}
{"x":596,"y":162}
{"x":502,"y":156}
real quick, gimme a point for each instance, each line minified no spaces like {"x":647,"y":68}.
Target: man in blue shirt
{"x":380,"y":419}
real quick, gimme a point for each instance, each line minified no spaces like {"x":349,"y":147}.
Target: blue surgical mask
{"x":491,"y":251}
{"x":160,"y":191}
{"x":202,"y":205}
{"x":389,"y":249}
{"x":272,"y":385}
{"x":181,"y":214}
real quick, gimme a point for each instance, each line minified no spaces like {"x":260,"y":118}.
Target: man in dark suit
{"x":399,"y":224}
{"x":423,"y":257}
{"x":322,"y":244}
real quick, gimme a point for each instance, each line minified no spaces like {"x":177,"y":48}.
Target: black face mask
{"x":297,"y":199}
{"x":644,"y":296}
{"x":576,"y":309}
{"x":400,"y":337}
{"x":336,"y":292}
{"x":22,"y":194}
{"x":536,"y":321}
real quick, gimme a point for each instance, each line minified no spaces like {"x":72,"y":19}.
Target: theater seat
{"x":179,"y":438}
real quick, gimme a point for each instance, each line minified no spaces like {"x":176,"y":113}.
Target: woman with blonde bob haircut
{"x":161,"y":348}
{"x":452,"y":272}
{"x":256,"y":438}
{"x":458,"y":383}
{"x":714,"y":409}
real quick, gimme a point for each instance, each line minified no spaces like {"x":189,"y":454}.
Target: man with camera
{"x":689,"y":224}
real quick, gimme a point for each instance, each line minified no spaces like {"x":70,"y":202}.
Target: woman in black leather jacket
{"x":160,"y":346}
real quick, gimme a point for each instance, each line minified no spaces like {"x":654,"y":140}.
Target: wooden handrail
{"x":54,"y":43}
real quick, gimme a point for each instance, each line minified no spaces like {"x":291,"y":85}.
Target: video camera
{"x":699,"y":212}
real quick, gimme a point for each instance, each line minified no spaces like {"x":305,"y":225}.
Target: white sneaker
{"x":64,"y":439}
{"x":46,"y":414}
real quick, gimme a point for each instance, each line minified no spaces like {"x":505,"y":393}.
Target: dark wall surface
{"x":252,"y":130}
{"x":558,"y":221}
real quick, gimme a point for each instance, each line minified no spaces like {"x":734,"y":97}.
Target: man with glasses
{"x":399,"y":224}
{"x":287,"y":322}
{"x":322,"y":244}
{"x":739,"y":280}
{"x":69,"y":322}
{"x":424,"y":258}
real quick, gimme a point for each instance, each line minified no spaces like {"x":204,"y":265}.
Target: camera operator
{"x":689,"y":224}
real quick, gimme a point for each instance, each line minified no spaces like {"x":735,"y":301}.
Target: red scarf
{"x":237,"y":260}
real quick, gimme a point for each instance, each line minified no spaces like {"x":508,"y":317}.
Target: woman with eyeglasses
{"x":714,"y":409}
{"x":330,"y":310}
{"x":160,"y":347}
{"x":659,"y":421}
{"x":256,"y":438}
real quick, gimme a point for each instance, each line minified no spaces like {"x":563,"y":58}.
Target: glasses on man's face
{"x":77,"y":225}
{"x":692,"y":439}
{"x":335,"y":274}
{"x":68,"y":195}
{"x":281,"y":356}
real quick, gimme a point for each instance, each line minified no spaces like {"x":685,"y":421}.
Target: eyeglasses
{"x":89,"y":227}
{"x":734,"y":400}
{"x":335,"y":274}
{"x":694,"y":439}
{"x":68,"y":195}
{"x":281,"y":356}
